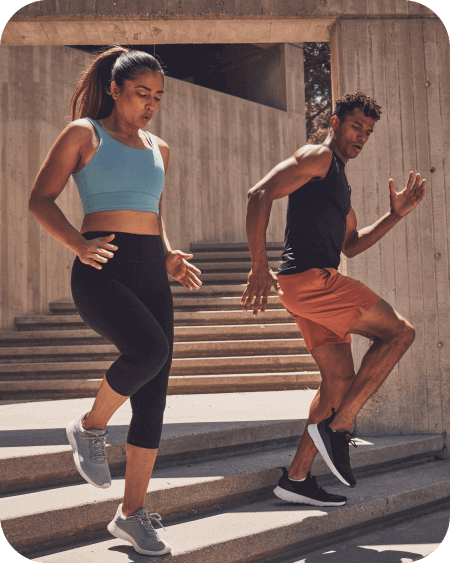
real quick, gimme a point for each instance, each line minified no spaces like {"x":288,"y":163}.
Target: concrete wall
{"x":206,"y":9}
{"x":220,"y":146}
{"x":405,"y":65}
{"x":184,"y":21}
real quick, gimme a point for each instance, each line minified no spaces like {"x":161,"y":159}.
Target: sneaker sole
{"x":121,"y":534}
{"x":69,"y":433}
{"x":294,"y":497}
{"x":314,"y":433}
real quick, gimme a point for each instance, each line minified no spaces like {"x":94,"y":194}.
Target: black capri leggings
{"x":129,"y":302}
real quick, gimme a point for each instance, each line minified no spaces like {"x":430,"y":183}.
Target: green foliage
{"x":317,"y":90}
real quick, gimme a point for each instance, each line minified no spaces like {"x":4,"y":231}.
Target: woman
{"x":119,"y":277}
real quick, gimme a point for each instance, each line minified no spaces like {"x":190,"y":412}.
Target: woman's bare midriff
{"x":123,"y":221}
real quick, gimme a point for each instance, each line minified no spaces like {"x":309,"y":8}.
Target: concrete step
{"x":248,"y":533}
{"x":200,"y":318}
{"x":194,"y":301}
{"x":203,"y":349}
{"x":230,"y":246}
{"x":212,"y":266}
{"x":220,"y":277}
{"x":49,"y":517}
{"x":34,"y":451}
{"x":426,"y":536}
{"x":182,"y":334}
{"x":199,"y":366}
{"x":209,"y":289}
{"x":88,"y":386}
{"x":231,"y":256}
{"x":233,"y":383}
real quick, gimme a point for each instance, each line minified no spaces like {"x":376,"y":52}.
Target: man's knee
{"x":407,"y":332}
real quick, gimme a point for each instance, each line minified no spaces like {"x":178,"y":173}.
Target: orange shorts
{"x":325,"y":304}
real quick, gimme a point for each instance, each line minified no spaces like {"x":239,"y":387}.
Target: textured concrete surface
{"x":55,"y":513}
{"x":29,"y":322}
{"x":32,"y":432}
{"x":226,"y":421}
{"x":182,"y":334}
{"x":399,"y":543}
{"x":230,"y":364}
{"x":260,"y":529}
{"x":181,"y":349}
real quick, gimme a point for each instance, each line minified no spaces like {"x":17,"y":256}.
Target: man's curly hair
{"x":346,"y":104}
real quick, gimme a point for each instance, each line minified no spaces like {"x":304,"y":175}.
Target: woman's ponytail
{"x":92,"y":96}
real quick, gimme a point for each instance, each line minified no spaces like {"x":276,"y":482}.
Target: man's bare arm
{"x":402,"y":203}
{"x":283,"y":179}
{"x":357,"y":241}
{"x":307,"y":163}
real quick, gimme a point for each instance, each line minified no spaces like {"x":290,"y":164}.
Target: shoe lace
{"x":146,"y":522}
{"x":314,"y":482}
{"x":98,"y":447}
{"x":350,"y":439}
{"x":346,"y":439}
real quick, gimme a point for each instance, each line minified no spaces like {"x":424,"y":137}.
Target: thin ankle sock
{"x":123,"y":515}
{"x":297,"y":480}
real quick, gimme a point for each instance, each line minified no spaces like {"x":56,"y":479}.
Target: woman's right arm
{"x":52,"y":178}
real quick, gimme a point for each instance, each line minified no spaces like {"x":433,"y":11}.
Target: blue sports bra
{"x":120,"y":177}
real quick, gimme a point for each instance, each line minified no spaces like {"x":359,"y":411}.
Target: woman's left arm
{"x":176,"y":261}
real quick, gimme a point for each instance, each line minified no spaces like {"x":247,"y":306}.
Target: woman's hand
{"x":181,"y":270}
{"x":96,"y":250}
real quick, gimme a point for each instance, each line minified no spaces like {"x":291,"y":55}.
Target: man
{"x":327,"y":306}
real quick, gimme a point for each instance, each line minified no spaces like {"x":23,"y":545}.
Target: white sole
{"x":315,"y":436}
{"x":119,"y":533}
{"x":69,"y":433}
{"x":294,"y":497}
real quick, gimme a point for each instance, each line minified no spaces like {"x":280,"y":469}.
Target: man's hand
{"x":404,"y":202}
{"x":181,"y":270}
{"x":258,"y":285}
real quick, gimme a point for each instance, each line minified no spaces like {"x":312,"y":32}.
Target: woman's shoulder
{"x":161,"y":144}
{"x":81,"y":132}
{"x":81,"y":129}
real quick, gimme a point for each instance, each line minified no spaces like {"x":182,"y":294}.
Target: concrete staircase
{"x":221,"y":452}
{"x":218,"y":348}
{"x":218,"y":464}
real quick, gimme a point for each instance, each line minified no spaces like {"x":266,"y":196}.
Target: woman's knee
{"x":149,"y":356}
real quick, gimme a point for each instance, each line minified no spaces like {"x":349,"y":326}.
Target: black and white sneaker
{"x":306,"y":492}
{"x":334,"y":448}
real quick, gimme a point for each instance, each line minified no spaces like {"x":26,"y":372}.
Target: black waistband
{"x":136,"y":248}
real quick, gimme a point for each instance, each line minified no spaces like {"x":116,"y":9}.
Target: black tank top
{"x":316,"y":222}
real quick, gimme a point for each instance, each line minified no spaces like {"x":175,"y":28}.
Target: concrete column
{"x":404,"y":65}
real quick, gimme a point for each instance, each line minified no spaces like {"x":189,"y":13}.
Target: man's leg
{"x":335,"y":363}
{"x":394,"y":335}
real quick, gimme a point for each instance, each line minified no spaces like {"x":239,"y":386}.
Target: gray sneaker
{"x":139,"y":531}
{"x":89,"y":453}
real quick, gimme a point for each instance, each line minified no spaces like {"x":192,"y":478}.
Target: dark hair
{"x":346,"y":104}
{"x":92,"y":96}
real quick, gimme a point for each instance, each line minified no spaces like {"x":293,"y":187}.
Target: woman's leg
{"x":148,"y":403}
{"x":140,"y":463}
{"x":107,"y":304}
{"x":105,"y":405}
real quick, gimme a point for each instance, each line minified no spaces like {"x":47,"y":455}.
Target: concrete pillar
{"x":404,"y":65}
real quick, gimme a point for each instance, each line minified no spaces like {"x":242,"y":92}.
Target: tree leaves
{"x":317,"y":90}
